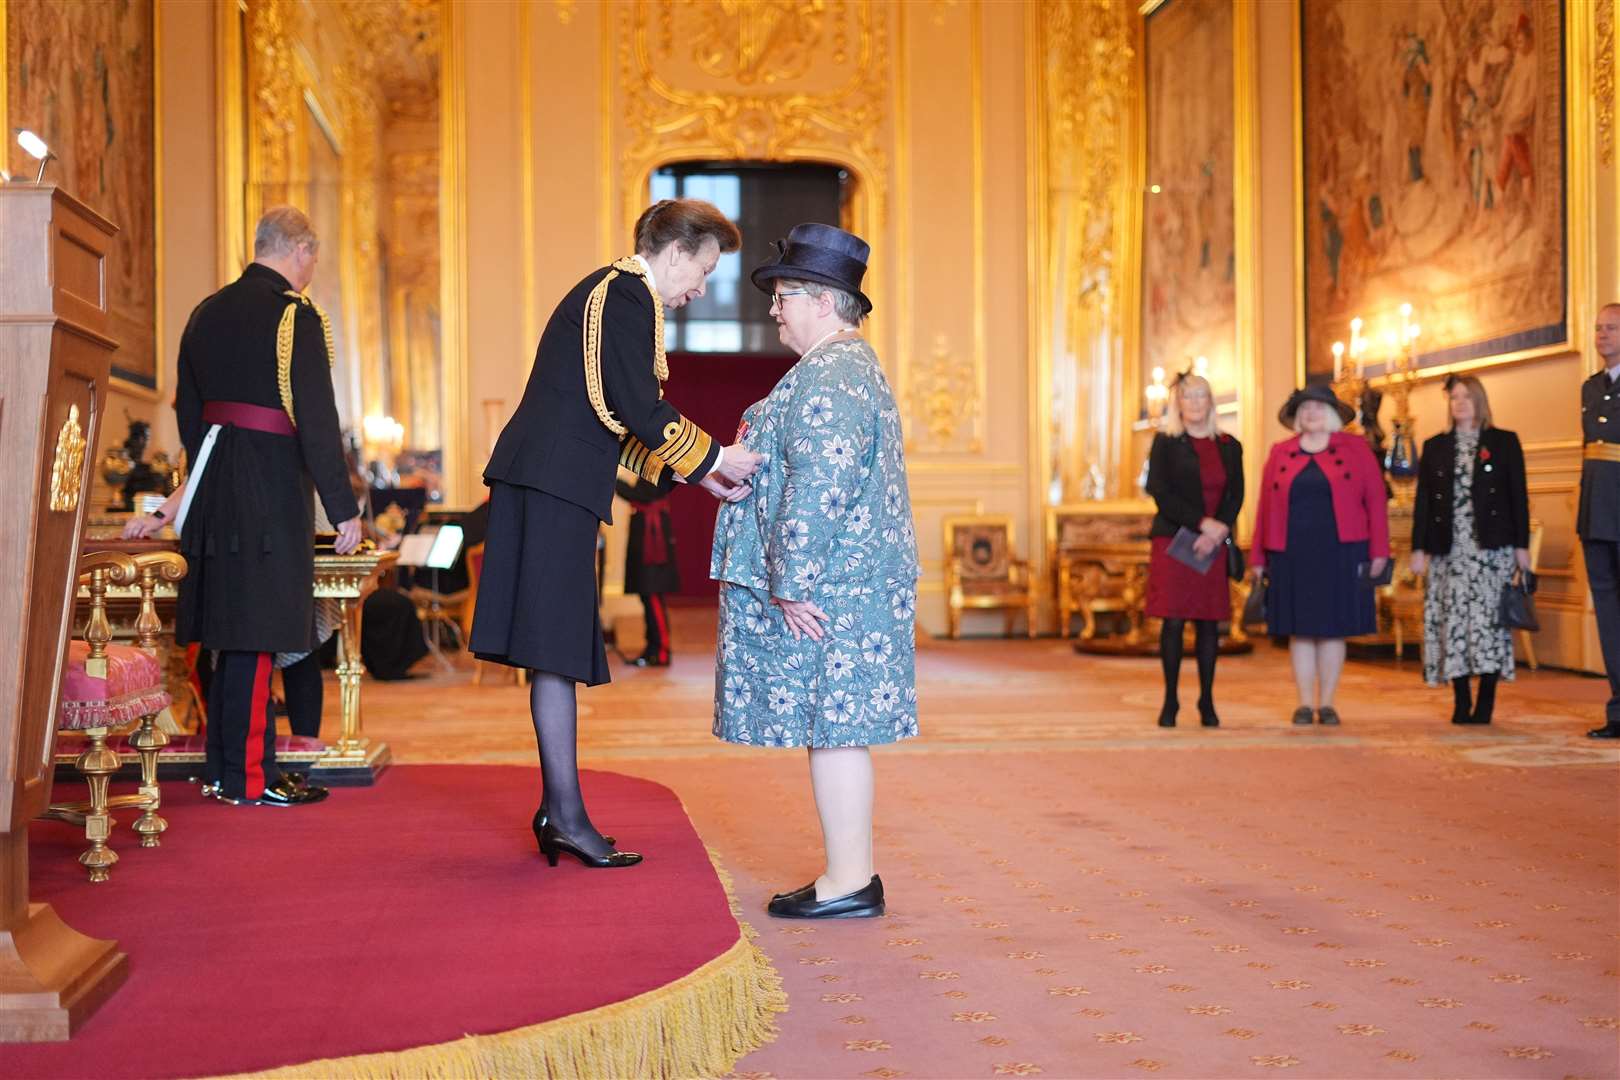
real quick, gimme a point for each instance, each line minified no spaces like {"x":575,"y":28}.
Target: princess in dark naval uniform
{"x":593,"y":402}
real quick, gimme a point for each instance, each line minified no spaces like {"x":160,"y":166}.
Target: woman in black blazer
{"x":1471,"y":532}
{"x":1195,"y":475}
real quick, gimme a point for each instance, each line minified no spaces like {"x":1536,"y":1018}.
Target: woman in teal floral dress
{"x":818,"y":568}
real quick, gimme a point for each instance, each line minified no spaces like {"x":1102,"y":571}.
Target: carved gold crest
{"x":68,"y":466}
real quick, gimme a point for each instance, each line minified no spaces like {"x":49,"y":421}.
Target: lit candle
{"x":1338,"y":360}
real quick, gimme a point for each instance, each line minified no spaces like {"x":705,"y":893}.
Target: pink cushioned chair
{"x":107,"y":686}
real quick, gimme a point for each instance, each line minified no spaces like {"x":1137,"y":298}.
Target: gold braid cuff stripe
{"x":593,"y":341}
{"x":636,"y":457}
{"x":685,"y":446}
{"x":284,"y":348}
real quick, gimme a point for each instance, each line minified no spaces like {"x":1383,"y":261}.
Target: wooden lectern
{"x":53,"y":383}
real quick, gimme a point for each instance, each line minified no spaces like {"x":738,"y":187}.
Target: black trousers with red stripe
{"x":657,"y":615}
{"x":241,"y":731}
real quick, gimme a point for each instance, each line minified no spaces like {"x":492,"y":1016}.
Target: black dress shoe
{"x":1607,"y":731}
{"x":799,"y":892}
{"x":553,"y":844}
{"x":648,"y":659}
{"x":1206,"y":714}
{"x":295,"y":778}
{"x":1328,"y":716}
{"x":1167,"y":714}
{"x":280,"y":793}
{"x":540,"y":819}
{"x":864,"y":903}
{"x":1302,"y":715}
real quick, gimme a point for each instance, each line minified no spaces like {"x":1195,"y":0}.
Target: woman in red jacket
{"x":1320,"y":532}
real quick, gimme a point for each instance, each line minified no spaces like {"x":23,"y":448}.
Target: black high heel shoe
{"x":553,"y":843}
{"x":540,"y":819}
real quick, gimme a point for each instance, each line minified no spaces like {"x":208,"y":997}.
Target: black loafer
{"x":864,"y":903}
{"x":1330,"y":717}
{"x":1607,"y":731}
{"x":798,"y":893}
{"x":1302,"y":716}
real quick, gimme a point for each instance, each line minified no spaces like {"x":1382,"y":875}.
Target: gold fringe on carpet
{"x":697,"y":1026}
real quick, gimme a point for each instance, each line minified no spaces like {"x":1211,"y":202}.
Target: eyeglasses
{"x":778,"y":297}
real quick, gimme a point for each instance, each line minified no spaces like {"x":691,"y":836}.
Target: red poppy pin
{"x":1484,"y":454}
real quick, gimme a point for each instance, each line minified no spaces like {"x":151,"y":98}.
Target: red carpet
{"x":403,"y":915}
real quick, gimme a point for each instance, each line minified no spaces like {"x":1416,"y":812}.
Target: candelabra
{"x":1401,"y":460}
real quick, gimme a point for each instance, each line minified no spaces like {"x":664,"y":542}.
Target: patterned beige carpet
{"x":1074,"y":892}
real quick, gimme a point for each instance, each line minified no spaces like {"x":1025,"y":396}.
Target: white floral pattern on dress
{"x":1462,"y":602}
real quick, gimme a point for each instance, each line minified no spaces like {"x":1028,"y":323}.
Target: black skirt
{"x":537,"y":604}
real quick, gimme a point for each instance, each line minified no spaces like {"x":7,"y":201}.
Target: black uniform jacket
{"x":555,"y":442}
{"x":650,"y":523}
{"x":249,"y":536}
{"x":1176,"y":483}
{"x":1501,"y":500}
{"x":1599,"y":514}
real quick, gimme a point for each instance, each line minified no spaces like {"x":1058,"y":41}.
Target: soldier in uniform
{"x":649,"y":565}
{"x":593,"y":402}
{"x":259,"y":423}
{"x":1598,"y":521}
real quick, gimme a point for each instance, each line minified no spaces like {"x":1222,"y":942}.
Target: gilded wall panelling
{"x":1603,"y":77}
{"x":1083,"y":55}
{"x":943,"y":394}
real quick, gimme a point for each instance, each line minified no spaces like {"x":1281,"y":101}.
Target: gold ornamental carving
{"x":1603,"y":81}
{"x":67,"y":467}
{"x":783,"y":80}
{"x":945,"y":398}
{"x":765,"y":41}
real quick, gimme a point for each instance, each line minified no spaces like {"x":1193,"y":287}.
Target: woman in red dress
{"x":1195,"y":475}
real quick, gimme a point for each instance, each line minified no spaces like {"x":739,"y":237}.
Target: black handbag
{"x":1254,"y":608}
{"x":1518,"y":611}
{"x":1236,"y":564}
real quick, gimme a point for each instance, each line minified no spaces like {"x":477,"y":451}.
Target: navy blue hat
{"x":1314,"y":392}
{"x":824,"y":254}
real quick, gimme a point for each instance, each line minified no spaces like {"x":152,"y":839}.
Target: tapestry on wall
{"x":1189,"y":301}
{"x":81,"y":76}
{"x":1434,"y":176}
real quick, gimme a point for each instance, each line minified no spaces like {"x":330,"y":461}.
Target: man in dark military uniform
{"x":259,"y":424}
{"x":1598,"y":521}
{"x":649,"y":565}
{"x":593,"y":402}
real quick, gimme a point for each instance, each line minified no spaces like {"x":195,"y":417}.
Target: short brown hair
{"x":1476,"y":390}
{"x":685,"y":222}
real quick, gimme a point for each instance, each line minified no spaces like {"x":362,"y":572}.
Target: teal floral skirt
{"x":857,"y":686}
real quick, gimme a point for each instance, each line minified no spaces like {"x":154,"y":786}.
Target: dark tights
{"x":552,"y":705}
{"x":1206,"y":646}
{"x":1467,"y":711}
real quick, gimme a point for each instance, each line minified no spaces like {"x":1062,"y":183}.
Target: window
{"x":765,"y":201}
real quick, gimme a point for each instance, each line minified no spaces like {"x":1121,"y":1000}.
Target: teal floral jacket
{"x":829,"y":520}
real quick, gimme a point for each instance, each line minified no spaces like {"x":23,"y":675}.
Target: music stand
{"x":434,"y":548}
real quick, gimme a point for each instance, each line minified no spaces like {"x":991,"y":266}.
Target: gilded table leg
{"x":147,"y":741}
{"x":349,"y":671}
{"x":97,"y":764}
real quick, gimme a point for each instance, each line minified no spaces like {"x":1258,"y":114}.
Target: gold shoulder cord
{"x":593,"y":341}
{"x":284,"y":348}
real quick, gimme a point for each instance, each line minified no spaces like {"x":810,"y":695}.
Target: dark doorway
{"x":724,"y":354}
